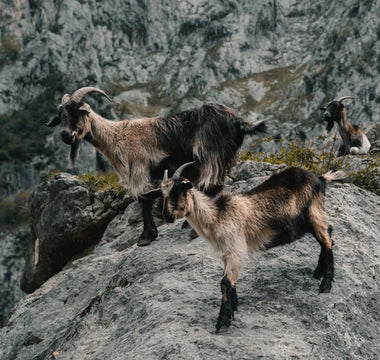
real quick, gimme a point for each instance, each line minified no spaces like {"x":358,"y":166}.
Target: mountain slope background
{"x":276,"y":60}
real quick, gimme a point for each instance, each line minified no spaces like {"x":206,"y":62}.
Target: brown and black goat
{"x":280,"y":210}
{"x":354,"y":140}
{"x":141,"y":149}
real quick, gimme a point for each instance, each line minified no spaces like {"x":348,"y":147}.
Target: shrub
{"x":102,"y":182}
{"x":14,"y":210}
{"x":368,"y":176}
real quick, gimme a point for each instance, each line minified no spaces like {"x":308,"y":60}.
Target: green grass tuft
{"x":102,"y":182}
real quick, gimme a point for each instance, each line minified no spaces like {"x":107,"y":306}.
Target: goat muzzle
{"x":166,"y":215}
{"x":327,"y":116}
{"x":68,"y":137}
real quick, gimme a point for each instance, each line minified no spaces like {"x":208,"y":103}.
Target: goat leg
{"x":150,"y":230}
{"x":226,"y":307}
{"x":234,"y":300}
{"x":320,"y":269}
{"x":328,"y":276}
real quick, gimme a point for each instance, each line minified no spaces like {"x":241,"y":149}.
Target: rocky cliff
{"x":121,"y":301}
{"x":277,"y":60}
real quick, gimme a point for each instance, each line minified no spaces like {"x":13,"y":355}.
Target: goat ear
{"x":186,"y":185}
{"x":85,"y":108}
{"x":153,"y":194}
{"x":323,"y":108}
{"x":54,"y":122}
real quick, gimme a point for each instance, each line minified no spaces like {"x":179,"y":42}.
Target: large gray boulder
{"x":66,"y":219}
{"x":161,"y":301}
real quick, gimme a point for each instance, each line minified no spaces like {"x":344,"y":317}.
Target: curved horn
{"x":165,"y":179}
{"x":178,"y":172}
{"x":80,"y":93}
{"x":344,"y":98}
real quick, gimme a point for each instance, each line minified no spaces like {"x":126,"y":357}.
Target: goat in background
{"x":354,"y":140}
{"x":140,"y":149}
{"x":278,"y":211}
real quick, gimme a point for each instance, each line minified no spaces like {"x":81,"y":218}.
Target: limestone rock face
{"x":277,"y":60}
{"x":162,"y":301}
{"x":373,"y":135}
{"x":12,"y":264}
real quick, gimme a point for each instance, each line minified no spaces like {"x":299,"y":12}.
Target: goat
{"x":140,"y":149}
{"x":278,"y":211}
{"x":354,"y":140}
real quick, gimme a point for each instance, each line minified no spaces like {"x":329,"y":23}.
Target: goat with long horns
{"x":140,"y":149}
{"x":354,"y":140}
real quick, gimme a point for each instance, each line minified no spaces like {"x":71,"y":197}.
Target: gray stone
{"x":373,"y":135}
{"x":66,"y":219}
{"x":275,"y":60}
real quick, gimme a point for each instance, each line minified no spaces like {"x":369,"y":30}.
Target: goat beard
{"x":74,"y":151}
{"x":330,"y":125}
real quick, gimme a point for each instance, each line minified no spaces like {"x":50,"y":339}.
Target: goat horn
{"x":344,"y":98}
{"x":178,"y":172}
{"x":80,"y":93}
{"x":165,"y":179}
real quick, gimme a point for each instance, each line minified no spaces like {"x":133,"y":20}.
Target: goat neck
{"x":202,"y":213}
{"x":103,"y":135}
{"x":345,"y":129}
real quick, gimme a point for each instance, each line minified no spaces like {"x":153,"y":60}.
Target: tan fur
{"x":333,"y":176}
{"x":245,"y":226}
{"x":349,"y":134}
{"x":129,"y":146}
{"x":318,"y":220}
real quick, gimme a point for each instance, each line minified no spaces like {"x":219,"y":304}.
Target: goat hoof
{"x":325,"y":286}
{"x":223,"y":324}
{"x":193,"y":234}
{"x":143,"y":242}
{"x":317,"y":274}
{"x":146,"y":239}
{"x":222,"y":329}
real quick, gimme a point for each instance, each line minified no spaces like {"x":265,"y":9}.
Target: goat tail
{"x":339,"y":175}
{"x":250,"y":129}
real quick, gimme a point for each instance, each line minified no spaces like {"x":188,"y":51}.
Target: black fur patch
{"x":320,"y":186}
{"x":74,"y":151}
{"x":356,"y":143}
{"x":291,"y":178}
{"x":215,"y":128}
{"x":226,"y":311}
{"x":222,"y":201}
{"x":290,"y":229}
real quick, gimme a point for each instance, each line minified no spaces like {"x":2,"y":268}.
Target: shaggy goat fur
{"x":354,"y":140}
{"x":280,"y":210}
{"x":140,"y":149}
